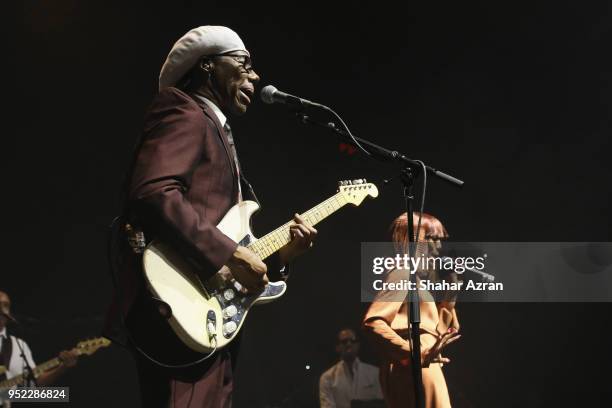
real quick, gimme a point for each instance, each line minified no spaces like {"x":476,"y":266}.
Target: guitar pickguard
{"x":235,"y":303}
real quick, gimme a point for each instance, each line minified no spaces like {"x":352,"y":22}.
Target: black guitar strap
{"x":249,"y":188}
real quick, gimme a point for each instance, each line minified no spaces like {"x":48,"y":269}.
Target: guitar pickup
{"x":211,"y":324}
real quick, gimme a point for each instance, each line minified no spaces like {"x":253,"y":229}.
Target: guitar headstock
{"x":89,"y":347}
{"x":355,"y":191}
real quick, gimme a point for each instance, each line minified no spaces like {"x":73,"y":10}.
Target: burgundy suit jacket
{"x":184,"y":179}
{"x":182,"y":182}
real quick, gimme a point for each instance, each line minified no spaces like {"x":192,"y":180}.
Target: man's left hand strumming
{"x":302,"y":237}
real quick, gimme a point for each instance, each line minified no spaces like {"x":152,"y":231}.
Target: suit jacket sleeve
{"x":173,"y":143}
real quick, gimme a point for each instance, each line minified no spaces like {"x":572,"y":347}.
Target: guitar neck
{"x":86,"y":347}
{"x":275,"y":240}
{"x":38,"y":370}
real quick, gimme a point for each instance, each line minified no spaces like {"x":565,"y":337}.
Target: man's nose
{"x":253,"y":77}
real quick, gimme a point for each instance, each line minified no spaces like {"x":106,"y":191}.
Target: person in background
{"x":386,"y":323}
{"x":350,"y":379}
{"x":12,"y":358}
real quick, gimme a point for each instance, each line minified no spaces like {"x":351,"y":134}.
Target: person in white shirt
{"x":350,"y":379}
{"x":14,"y":351}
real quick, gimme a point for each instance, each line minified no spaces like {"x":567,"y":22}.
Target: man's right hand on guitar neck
{"x":248,"y":269}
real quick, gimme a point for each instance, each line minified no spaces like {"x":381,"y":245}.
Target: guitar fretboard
{"x":87,"y":347}
{"x":275,"y":240}
{"x":38,"y":370}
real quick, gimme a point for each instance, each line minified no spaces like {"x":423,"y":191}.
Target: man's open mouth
{"x":247,"y":94}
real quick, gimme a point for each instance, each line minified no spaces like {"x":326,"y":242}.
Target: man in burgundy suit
{"x":184,"y":178}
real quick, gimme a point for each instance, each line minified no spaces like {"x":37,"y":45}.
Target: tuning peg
{"x":358,"y":181}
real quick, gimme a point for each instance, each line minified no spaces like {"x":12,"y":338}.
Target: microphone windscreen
{"x":267,"y":94}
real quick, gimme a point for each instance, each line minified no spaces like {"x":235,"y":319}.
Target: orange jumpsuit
{"x":386,"y":322}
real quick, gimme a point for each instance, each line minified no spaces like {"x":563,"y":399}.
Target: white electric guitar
{"x":208,"y":315}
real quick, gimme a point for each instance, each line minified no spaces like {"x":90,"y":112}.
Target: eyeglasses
{"x":348,"y":341}
{"x":246,"y":64}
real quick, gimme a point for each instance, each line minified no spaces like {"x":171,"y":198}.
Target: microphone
{"x":484,"y":277}
{"x":269,"y":94}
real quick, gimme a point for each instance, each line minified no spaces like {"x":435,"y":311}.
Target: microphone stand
{"x":379,"y":152}
{"x":412,"y":297}
{"x":408,"y":173}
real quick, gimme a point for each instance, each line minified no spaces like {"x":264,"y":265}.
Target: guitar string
{"x":265,"y":248}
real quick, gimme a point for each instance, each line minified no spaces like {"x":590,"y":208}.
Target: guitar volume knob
{"x":230,"y":312}
{"x":228,"y":294}
{"x":229,"y":328}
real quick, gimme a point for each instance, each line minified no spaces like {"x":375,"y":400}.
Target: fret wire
{"x":261,"y":248}
{"x":282,"y":237}
{"x":257,"y":250}
{"x":337,"y":199}
{"x":318,"y":208}
{"x":325,"y":209}
{"x":276,"y":239}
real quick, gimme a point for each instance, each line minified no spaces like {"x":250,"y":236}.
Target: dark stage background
{"x":514,"y":97}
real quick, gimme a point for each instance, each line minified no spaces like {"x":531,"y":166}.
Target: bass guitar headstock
{"x":89,"y":347}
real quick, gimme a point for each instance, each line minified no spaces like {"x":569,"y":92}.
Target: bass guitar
{"x":86,"y":347}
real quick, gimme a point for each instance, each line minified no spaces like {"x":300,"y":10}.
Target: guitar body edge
{"x":192,"y":302}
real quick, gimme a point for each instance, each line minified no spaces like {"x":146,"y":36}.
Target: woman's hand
{"x":433,"y":354}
